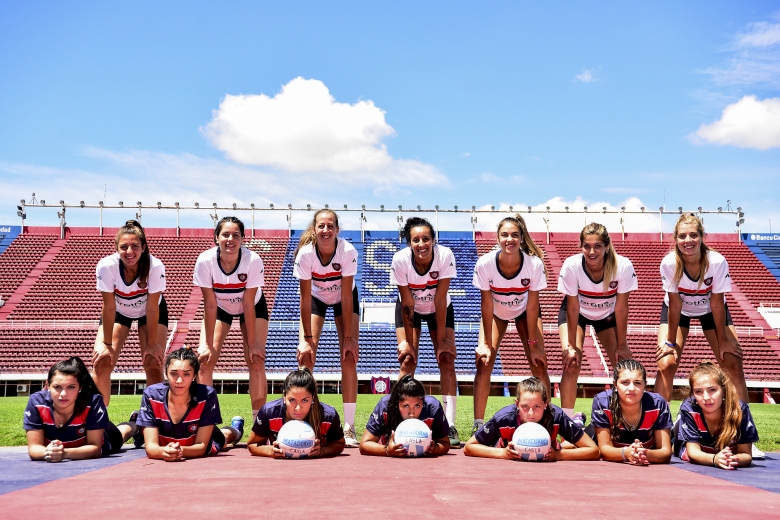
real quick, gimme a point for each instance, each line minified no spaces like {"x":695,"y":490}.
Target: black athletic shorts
{"x":706,"y":320}
{"x":112,"y":440}
{"x":582,"y":321}
{"x":218,"y":440}
{"x":320,"y":308}
{"x":162,"y":319}
{"x":430,"y":319}
{"x":261,"y":311}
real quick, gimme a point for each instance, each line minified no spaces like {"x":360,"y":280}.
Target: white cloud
{"x":586,"y":76}
{"x":748,"y":123}
{"x":754,"y":57}
{"x":760,"y":34}
{"x":465,"y":154}
{"x":304,"y":130}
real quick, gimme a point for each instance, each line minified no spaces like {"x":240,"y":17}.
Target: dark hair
{"x":227,"y":220}
{"x":185,"y":354}
{"x":133,"y":227}
{"x":407,"y":386}
{"x":413,"y":222}
{"x":534,"y":385}
{"x":614,"y":400}
{"x":731,"y":409}
{"x":303,"y":378}
{"x":75,"y":367}
{"x":309,"y":236}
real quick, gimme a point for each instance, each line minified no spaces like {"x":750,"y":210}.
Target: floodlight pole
{"x":661,"y":222}
{"x":178,"y":229}
{"x":101,"y":218}
{"x":437,"y":222}
{"x":289,"y":221}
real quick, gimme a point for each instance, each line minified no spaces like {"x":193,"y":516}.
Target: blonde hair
{"x":528,"y":245}
{"x":309,"y":236}
{"x":731,"y":410}
{"x":610,"y":256}
{"x":704,"y":261}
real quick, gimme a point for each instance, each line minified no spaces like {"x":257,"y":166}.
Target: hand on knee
{"x":104,"y":367}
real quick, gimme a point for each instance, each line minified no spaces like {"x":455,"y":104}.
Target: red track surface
{"x":351,"y":486}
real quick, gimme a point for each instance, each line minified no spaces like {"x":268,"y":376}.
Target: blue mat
{"x":19,"y":472}
{"x":762,"y":474}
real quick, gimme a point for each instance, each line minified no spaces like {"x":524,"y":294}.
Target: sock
{"x":478,"y":423}
{"x":569,"y":412}
{"x":349,"y":414}
{"x":254,"y":415}
{"x":235,"y":432}
{"x":449,"y":408}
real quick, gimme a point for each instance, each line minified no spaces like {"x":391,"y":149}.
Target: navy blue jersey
{"x":655,"y":416}
{"x":203,"y":411}
{"x":432,"y":414}
{"x":498,"y":431}
{"x":39,"y":415}
{"x":693,"y":427}
{"x":273,"y":415}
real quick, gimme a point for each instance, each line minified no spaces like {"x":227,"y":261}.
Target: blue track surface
{"x":763,"y":474}
{"x":19,"y":472}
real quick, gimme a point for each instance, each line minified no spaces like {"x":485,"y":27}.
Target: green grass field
{"x":766,"y":416}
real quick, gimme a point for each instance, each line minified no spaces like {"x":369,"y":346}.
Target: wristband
{"x":308,"y":337}
{"x":623,"y":454}
{"x":670,"y":344}
{"x":109,"y":344}
{"x":713,"y":460}
{"x":533,"y":341}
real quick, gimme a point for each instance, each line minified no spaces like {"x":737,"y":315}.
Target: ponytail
{"x":528,"y":245}
{"x":309,"y":236}
{"x":407,"y":386}
{"x":303,"y":378}
{"x":704,"y":260}
{"x":133,"y":227}
{"x":185,"y":354}
{"x":534,"y":385}
{"x":610,"y":255}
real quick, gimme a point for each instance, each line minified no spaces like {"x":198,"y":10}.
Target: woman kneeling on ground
{"x":299,"y":403}
{"x":494,"y":438}
{"x":716,"y":426}
{"x":179,"y":417}
{"x":406,"y":401}
{"x":68,"y":419}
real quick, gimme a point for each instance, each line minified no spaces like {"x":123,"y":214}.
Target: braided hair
{"x":534,"y":385}
{"x":185,"y":354}
{"x":303,"y":378}
{"x":614,"y":401}
{"x":407,"y":386}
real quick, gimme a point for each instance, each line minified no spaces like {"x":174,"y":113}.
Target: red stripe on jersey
{"x":322,"y":276}
{"x":275,"y":424}
{"x":158,"y":408}
{"x":608,"y":413}
{"x":45,"y":414}
{"x":691,"y":292}
{"x":229,"y":285}
{"x":81,"y":418}
{"x":324,"y":427}
{"x":500,"y":290}
{"x":507,"y":432}
{"x":81,"y":441}
{"x":611,"y":292}
{"x":699,"y":422}
{"x":130,"y":294}
{"x":196,"y":412}
{"x":432,"y":283}
{"x":429,"y":422}
{"x":165,"y":440}
{"x":650,"y":417}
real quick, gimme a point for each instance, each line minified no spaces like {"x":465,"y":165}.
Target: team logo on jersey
{"x":708,"y":281}
{"x":142,"y":285}
{"x":434,"y":274}
{"x":82,"y":430}
{"x":242,"y":277}
{"x":612,"y":285}
{"x":337,"y":267}
{"x":193,"y":428}
{"x":526,"y":282}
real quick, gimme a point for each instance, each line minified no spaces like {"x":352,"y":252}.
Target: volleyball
{"x":531,"y":441}
{"x":296,"y":439}
{"x":415,"y":436}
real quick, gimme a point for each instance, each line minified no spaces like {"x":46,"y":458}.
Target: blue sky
{"x":366,"y":103}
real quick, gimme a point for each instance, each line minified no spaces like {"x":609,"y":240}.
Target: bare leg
{"x":317,"y":323}
{"x":537,"y":371}
{"x":667,"y":365}
{"x":349,"y":378}
{"x":258,"y":386}
{"x":732,"y":365}
{"x":206,"y":374}
{"x":154,"y":372}
{"x":104,"y":367}
{"x":408,"y":363}
{"x":484,"y":371}
{"x":569,"y":377}
{"x":449,"y":383}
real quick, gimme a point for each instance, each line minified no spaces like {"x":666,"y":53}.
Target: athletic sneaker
{"x":350,"y":438}
{"x":476,"y":427}
{"x":454,"y":440}
{"x":757,"y":454}
{"x":579,"y":419}
{"x":238,"y":423}
{"x":138,"y":436}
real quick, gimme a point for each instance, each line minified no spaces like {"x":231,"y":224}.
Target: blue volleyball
{"x":296,"y":439}
{"x":532,"y":441}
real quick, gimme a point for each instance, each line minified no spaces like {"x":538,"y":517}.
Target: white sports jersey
{"x":596,"y":303}
{"x":326,"y":278}
{"x":695,"y":298}
{"x":229,"y":287}
{"x":510,"y":294}
{"x":423,"y":285}
{"x":130,"y":297}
